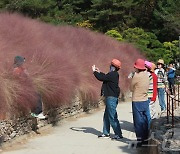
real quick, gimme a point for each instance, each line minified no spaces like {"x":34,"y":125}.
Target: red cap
{"x":140,"y":64}
{"x":116,"y":63}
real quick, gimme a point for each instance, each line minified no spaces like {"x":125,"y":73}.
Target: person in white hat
{"x":160,"y":72}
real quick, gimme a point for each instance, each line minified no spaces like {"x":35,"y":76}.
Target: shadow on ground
{"x":130,"y":150}
{"x":96,"y":132}
{"x":127,"y":126}
{"x":127,"y":148}
{"x":88,"y":130}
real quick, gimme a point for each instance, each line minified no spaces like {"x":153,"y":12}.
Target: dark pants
{"x":38,"y":107}
{"x":171,"y":85}
{"x":141,"y":118}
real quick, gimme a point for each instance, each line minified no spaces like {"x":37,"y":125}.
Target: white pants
{"x":152,"y":109}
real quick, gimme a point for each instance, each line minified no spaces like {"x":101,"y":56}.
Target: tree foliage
{"x":33,"y":8}
{"x":168,"y":16}
{"x":111,"y":14}
{"x":160,"y":17}
{"x":115,"y":34}
{"x":148,"y":43}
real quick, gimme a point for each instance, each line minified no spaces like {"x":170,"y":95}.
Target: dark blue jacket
{"x":171,"y":73}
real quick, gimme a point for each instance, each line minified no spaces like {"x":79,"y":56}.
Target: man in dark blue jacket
{"x":171,"y":76}
{"x":110,"y":90}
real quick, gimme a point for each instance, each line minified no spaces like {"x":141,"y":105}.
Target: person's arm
{"x":154,"y":88}
{"x":102,"y":77}
{"x":133,"y":83}
{"x":171,"y":71}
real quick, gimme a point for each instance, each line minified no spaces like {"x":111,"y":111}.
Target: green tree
{"x":115,"y":34}
{"x":142,"y":38}
{"x":33,"y":8}
{"x":173,"y":49}
{"x":148,"y":43}
{"x":160,"y":17}
{"x":64,"y":16}
{"x":110,"y":14}
{"x":53,"y":11}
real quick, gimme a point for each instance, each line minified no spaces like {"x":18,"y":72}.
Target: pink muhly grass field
{"x":58,"y":59}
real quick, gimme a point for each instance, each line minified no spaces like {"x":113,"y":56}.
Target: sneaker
{"x":145,"y":143}
{"x":41,"y":116}
{"x":34,"y":115}
{"x":104,"y":136}
{"x":172,"y":96}
{"x":136,"y":145}
{"x":163,"y":111}
{"x":117,"y":137}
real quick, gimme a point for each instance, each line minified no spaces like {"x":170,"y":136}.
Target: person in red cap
{"x":20,"y":71}
{"x":110,"y":90}
{"x":140,"y":103}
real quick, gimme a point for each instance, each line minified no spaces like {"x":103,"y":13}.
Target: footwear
{"x":136,"y":145}
{"x":34,"y":115}
{"x":117,"y":137}
{"x":41,"y":116}
{"x":139,"y":145}
{"x":163,"y":111}
{"x":104,"y":136}
{"x":145,"y":143}
{"x":172,"y":96}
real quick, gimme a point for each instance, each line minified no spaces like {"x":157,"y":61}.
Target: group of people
{"x":147,"y":81}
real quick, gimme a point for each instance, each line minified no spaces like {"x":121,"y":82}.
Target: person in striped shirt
{"x":152,"y":91}
{"x":160,"y":72}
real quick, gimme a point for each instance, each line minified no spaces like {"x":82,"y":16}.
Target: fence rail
{"x":173,"y":102}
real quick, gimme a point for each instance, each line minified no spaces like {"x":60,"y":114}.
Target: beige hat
{"x":161,"y":61}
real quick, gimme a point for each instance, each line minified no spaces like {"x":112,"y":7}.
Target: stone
{"x":10,"y":129}
{"x":13,"y":134}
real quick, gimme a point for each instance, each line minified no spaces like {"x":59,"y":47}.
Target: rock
{"x":10,"y":129}
{"x":13,"y":134}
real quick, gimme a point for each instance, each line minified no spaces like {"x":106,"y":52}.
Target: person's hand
{"x":131,"y":75}
{"x":94,"y":68}
{"x":97,"y":69}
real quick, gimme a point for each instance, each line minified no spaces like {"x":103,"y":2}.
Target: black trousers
{"x":171,"y":85}
{"x":38,"y":107}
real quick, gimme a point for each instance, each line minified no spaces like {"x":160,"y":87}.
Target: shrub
{"x":58,"y":60}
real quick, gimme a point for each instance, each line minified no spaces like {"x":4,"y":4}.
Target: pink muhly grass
{"x":59,"y":60}
{"x":54,"y":77}
{"x":17,"y":95}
